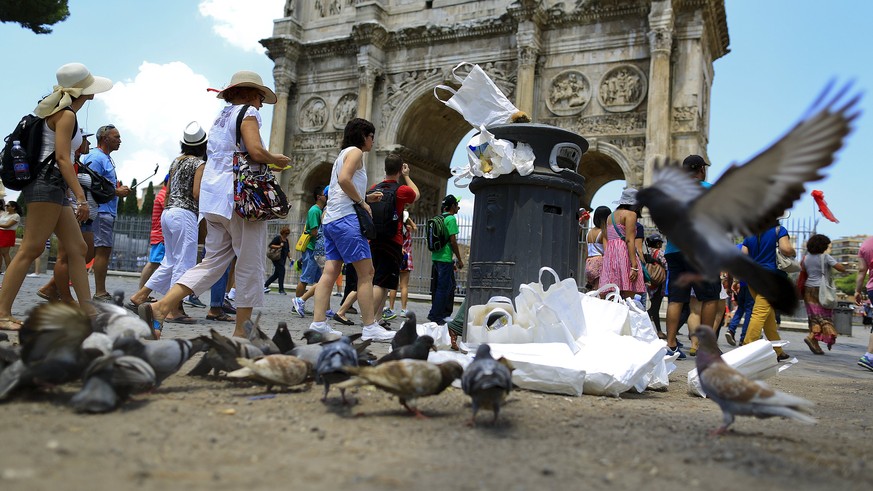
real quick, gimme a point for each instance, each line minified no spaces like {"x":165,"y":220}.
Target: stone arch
{"x":317,"y":173}
{"x":604,"y":163}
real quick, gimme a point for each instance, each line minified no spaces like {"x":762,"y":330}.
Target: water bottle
{"x":19,"y":162}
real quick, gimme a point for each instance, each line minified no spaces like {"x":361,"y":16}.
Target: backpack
{"x":28,"y":132}
{"x":385,"y":215}
{"x":436,"y":232}
{"x":101,"y":188}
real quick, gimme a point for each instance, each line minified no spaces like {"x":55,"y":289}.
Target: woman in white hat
{"x":47,"y":206}
{"x":179,"y":221}
{"x":228,"y":234}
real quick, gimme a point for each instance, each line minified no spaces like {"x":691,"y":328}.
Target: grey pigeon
{"x":407,"y":379}
{"x":308,"y":352}
{"x":407,"y":334}
{"x":487,"y":382}
{"x":282,"y":339}
{"x":737,"y":395}
{"x":259,"y":338}
{"x":418,"y":350}
{"x":116,"y":321}
{"x":9,"y":354}
{"x":313,"y":337}
{"x":748,"y":199}
{"x":222,"y":354}
{"x":165,"y":356}
{"x":51,"y":348}
{"x":330,"y":368}
{"x":273,"y":370}
{"x":111,"y":380}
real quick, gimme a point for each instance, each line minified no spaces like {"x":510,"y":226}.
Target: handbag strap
{"x":239,"y":120}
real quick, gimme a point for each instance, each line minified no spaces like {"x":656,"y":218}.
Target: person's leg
{"x":275,"y":276}
{"x":104,"y":226}
{"x":749,"y":301}
{"x":147,"y":271}
{"x":404,"y":290}
{"x":365,"y":271}
{"x":674,"y":312}
{"x":248,"y":239}
{"x":720,"y":306}
{"x":280,"y":275}
{"x":350,"y":300}
{"x":763,"y":319}
{"x":392,"y":298}
{"x":323,"y":288}
{"x":216,"y":296}
{"x":5,"y":258}
{"x":442,"y":295}
{"x":69,"y":234}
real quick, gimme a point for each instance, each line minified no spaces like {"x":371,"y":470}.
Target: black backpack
{"x":385,"y":215}
{"x":101,"y":188}
{"x":28,"y":132}
{"x":436,"y":232}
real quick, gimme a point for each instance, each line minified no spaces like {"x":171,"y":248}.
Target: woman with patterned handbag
{"x":228,"y":234}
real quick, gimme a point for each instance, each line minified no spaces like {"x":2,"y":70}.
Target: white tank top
{"x":48,"y":143}
{"x":339,"y":204}
{"x":595,"y":248}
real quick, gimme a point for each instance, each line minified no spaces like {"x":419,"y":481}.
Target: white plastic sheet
{"x":545,"y":367}
{"x":756,"y":361}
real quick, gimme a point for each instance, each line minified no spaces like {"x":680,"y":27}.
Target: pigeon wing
{"x":774,"y":179}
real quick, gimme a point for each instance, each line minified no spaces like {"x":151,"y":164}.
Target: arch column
{"x":658,"y":108}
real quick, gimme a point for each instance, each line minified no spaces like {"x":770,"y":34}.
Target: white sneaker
{"x":403,"y":312}
{"x":377,"y":333}
{"x":231,"y":295}
{"x":323,"y":328}
{"x":33,"y":275}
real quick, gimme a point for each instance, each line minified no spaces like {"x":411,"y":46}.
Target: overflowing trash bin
{"x":843,"y":318}
{"x":521,"y":223}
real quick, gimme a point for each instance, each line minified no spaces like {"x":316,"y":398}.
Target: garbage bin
{"x":843,"y":318}
{"x":521,"y":223}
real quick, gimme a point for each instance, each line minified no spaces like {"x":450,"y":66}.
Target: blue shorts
{"x":87,"y":226}
{"x":343,"y":241}
{"x":104,"y":226}
{"x":311,"y":272}
{"x":156,"y":253}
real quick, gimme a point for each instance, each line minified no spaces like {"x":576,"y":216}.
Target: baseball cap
{"x":694,"y":162}
{"x":450,"y":200}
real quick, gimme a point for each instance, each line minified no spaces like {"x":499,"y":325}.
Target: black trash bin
{"x":843,"y":318}
{"x":521,"y":223}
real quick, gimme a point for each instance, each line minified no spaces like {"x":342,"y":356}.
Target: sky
{"x":164,"y":55}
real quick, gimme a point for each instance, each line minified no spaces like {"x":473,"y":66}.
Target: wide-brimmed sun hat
{"x":193,"y":135}
{"x":245,"y":78}
{"x":74,"y":80}
{"x":628,"y":197}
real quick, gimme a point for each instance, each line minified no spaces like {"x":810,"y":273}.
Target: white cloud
{"x":151,"y":111}
{"x":243,"y":23}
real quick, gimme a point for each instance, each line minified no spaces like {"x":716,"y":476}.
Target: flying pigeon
{"x":407,"y":379}
{"x":418,"y":350}
{"x":748,"y":199}
{"x":736,"y":394}
{"x":407,"y":333}
{"x":334,"y":359}
{"x":487,"y":381}
{"x":273,"y":370}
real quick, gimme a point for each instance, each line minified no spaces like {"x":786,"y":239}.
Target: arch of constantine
{"x":631,"y":76}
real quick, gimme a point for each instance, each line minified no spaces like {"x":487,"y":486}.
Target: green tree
{"x":148,"y":201}
{"x":35,"y":15}
{"x":131,"y":207}
{"x":846,"y":283}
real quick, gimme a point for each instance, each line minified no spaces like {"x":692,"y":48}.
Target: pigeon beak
{"x":433,"y":348}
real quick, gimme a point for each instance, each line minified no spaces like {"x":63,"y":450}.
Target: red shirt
{"x":405,"y":196}
{"x":157,"y":235}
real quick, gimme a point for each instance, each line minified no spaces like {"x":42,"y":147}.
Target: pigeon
{"x":307,"y":352}
{"x":282,"y":338}
{"x":4,"y":336}
{"x":115,"y":321}
{"x":407,"y":379}
{"x":51,"y":348}
{"x":111,"y":380}
{"x":9,"y":354}
{"x":418,"y":350}
{"x":314,"y":337}
{"x":273,"y":370}
{"x":223,"y":353}
{"x":259,"y":338}
{"x":748,"y":199}
{"x":407,"y":334}
{"x":487,"y":381}
{"x":736,"y":394}
{"x":334,"y":359}
{"x":165,"y":356}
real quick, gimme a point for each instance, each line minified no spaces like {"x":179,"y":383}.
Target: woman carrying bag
{"x":816,"y":274}
{"x":277,"y":252}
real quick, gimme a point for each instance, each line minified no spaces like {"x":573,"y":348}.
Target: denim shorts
{"x":156,"y":252}
{"x":47,"y":187}
{"x":104,"y":226}
{"x":343,"y":240}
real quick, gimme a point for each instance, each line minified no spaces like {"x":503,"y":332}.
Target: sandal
{"x":220,"y":317}
{"x":102,"y":298}
{"x":10,"y":324}
{"x":148,"y":315}
{"x":45,"y":296}
{"x":182,"y":319}
{"x":816,"y":350}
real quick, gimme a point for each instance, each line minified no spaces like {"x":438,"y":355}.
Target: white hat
{"x":194,"y":135}
{"x":76,"y":75}
{"x":628,"y":197}
{"x":246,"y":78}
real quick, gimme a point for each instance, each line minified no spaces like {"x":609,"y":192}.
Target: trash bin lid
{"x":554,"y":148}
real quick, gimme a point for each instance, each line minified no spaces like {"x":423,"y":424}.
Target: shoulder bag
{"x":257,"y":195}
{"x":303,"y":241}
{"x":783,"y":262}
{"x":827,"y":290}
{"x":274,"y":254}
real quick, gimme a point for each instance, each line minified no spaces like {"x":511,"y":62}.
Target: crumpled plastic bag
{"x":544,"y":367}
{"x":439,"y":333}
{"x":490,"y":157}
{"x":756,"y":361}
{"x":478,"y":99}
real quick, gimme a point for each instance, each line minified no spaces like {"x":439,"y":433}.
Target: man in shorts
{"x":311,"y":272}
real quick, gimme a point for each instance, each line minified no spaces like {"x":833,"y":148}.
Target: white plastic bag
{"x":562,"y":297}
{"x":756,"y":361}
{"x":478,"y":100}
{"x":439,"y":333}
{"x":545,"y":323}
{"x":544,"y":367}
{"x":605,"y":315}
{"x":641,"y":326}
{"x":614,"y":364}
{"x":523,"y":158}
{"x":479,"y":332}
{"x":490,"y":157}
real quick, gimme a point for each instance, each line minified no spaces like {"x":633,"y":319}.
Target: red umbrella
{"x":818,"y":196}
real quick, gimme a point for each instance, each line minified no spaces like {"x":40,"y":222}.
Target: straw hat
{"x":77,"y":76}
{"x":193,"y":135}
{"x":246,"y":78}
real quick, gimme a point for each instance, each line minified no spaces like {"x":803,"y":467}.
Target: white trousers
{"x":180,"y":241}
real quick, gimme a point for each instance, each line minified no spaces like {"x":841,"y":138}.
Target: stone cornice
{"x":370,"y":33}
{"x":586,"y":12}
{"x":282,"y":47}
{"x":715,"y":17}
{"x":429,"y":34}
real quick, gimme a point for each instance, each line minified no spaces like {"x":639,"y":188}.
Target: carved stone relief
{"x":313,"y":115}
{"x":569,"y":93}
{"x":318,"y":141}
{"x":324,"y":8}
{"x":346,"y":109}
{"x":622,"y":89}
{"x":607,"y":124}
{"x":685,"y":118}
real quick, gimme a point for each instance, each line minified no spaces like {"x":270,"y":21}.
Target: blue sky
{"x":164,"y":54}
